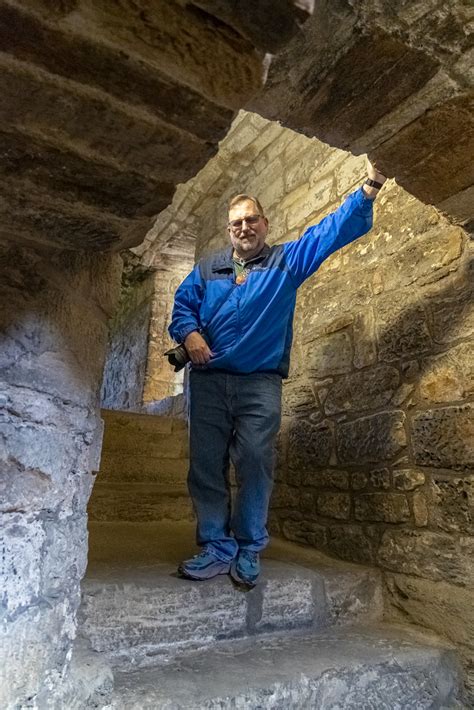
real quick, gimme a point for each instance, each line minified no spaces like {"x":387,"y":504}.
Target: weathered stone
{"x":452,"y":310}
{"x":382,"y":507}
{"x":452,"y":503}
{"x":402,"y":328}
{"x":284,"y":496}
{"x":371,"y":439}
{"x":305,"y":531}
{"x":310,"y":446}
{"x":354,"y":668}
{"x":452,"y":119}
{"x":408,"y":479}
{"x":370,"y":389}
{"x":420,"y":509}
{"x":380,"y":478}
{"x":298,"y":399}
{"x":449,"y":377}
{"x":360,"y":480}
{"x":330,"y":355}
{"x":352,"y":542}
{"x":365,"y":347}
{"x":330,"y":478}
{"x":334,"y":505}
{"x":427,"y":554}
{"x":444,"y":438}
{"x":444,"y":607}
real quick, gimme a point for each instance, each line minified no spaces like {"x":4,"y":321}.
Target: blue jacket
{"x":253,"y":328}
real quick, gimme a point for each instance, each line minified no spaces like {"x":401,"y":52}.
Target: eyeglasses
{"x":236,"y":224}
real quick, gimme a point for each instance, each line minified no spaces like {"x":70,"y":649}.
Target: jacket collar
{"x":223,"y":259}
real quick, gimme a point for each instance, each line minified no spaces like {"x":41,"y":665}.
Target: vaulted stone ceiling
{"x":393,"y":78}
{"x":107,"y":105}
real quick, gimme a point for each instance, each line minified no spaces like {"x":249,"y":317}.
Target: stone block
{"x":329,"y":478}
{"x":380,"y":478}
{"x":420,"y":509}
{"x":355,"y":543}
{"x":334,"y":505}
{"x":309,"y":201}
{"x":432,"y":555}
{"x":23,"y":540}
{"x":285,"y":496}
{"x":304,"y":531}
{"x":452,"y":503}
{"x":298,"y":399}
{"x":371,"y":439}
{"x":329,"y":355}
{"x":365,"y":341}
{"x":444,"y":437}
{"x":449,"y":377}
{"x":451,"y":311}
{"x":310,"y":446}
{"x":371,"y":388}
{"x":402,"y":328}
{"x":408,"y":479}
{"x":444,"y":607}
{"x":382,"y":507}
{"x":360,"y":480}
{"x":288,"y":596}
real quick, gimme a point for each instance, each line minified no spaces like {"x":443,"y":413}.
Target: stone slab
{"x":140,"y":502}
{"x":382,"y":667}
{"x":137,"y":615}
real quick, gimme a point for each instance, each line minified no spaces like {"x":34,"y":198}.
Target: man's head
{"x":248,"y":227}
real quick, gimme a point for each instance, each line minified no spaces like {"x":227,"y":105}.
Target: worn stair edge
{"x":380,"y":667}
{"x":135,"y":615}
{"x":122,"y":420}
{"x":130,"y":468}
{"x":140,"y":502}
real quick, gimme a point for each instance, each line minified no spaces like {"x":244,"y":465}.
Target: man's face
{"x":247,"y":238}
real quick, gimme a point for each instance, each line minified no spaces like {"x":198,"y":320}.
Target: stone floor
{"x":311,"y":635}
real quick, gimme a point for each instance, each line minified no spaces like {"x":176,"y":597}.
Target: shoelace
{"x":249,"y":555}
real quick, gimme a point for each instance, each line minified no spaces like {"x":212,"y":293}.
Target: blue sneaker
{"x":204,"y":565}
{"x":246,"y":568}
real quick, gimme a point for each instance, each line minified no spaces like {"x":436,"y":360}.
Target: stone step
{"x":136,"y":614}
{"x":381,"y":667}
{"x":172,"y":445}
{"x":121,"y":467}
{"x":140,"y":502}
{"x":119,"y":420}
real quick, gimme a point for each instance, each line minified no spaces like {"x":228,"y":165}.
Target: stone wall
{"x":376,"y":450}
{"x":124,"y":372}
{"x":53,"y":334}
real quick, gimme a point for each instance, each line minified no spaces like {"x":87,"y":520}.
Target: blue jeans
{"x":234,"y":418}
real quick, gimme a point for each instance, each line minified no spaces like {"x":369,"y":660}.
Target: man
{"x":234,"y":314}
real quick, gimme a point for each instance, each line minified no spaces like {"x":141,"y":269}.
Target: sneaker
{"x":246,"y":568}
{"x":204,"y":565}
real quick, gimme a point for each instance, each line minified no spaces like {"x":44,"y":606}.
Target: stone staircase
{"x":143,"y":470}
{"x":312,"y":634}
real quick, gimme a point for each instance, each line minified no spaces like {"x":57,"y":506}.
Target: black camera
{"x":177,"y":357}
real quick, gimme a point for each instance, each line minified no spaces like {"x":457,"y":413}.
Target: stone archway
{"x":102,"y":115}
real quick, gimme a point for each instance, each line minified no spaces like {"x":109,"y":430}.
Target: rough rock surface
{"x":53,"y":314}
{"x":378,"y":668}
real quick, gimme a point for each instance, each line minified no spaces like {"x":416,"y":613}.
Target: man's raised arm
{"x":351,"y":220}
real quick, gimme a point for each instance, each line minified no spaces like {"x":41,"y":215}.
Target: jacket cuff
{"x":363,"y":202}
{"x":184,"y":332}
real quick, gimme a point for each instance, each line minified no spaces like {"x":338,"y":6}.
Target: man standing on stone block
{"x":234,"y":315}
